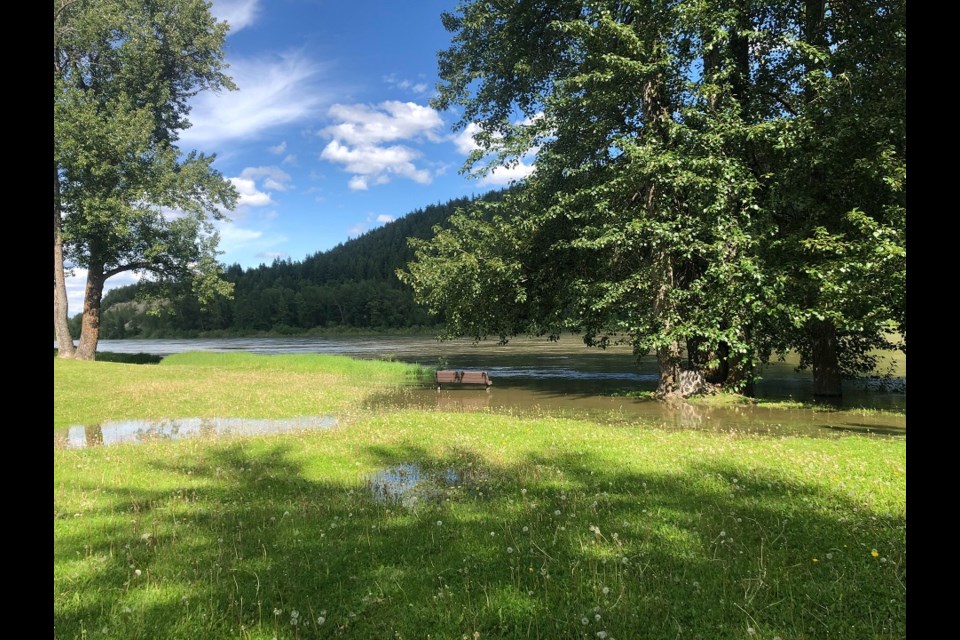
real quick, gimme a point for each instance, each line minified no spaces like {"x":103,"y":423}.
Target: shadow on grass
{"x":556,"y":546}
{"x":124,"y":358}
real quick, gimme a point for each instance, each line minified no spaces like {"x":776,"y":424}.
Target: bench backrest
{"x":462,"y":377}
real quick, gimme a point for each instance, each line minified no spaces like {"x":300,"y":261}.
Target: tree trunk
{"x":826,"y":362}
{"x":90,"y":333}
{"x":61,"y":326}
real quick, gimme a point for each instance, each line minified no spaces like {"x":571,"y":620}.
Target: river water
{"x":539,"y":377}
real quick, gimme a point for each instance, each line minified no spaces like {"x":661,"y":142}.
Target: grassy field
{"x":454,"y":525}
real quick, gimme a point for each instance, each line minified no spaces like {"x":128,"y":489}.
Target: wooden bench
{"x":462,"y":378}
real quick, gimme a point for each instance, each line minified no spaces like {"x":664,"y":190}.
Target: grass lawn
{"x":413,"y":524}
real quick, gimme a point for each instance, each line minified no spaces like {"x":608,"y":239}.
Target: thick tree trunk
{"x":826,"y":362}
{"x":61,"y":326}
{"x":90,"y":333}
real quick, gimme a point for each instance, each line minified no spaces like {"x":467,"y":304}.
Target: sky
{"x":330,"y":133}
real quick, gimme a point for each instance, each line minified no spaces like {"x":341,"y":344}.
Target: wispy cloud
{"x":384,"y":218}
{"x":274,"y":179}
{"x":412,"y":86}
{"x":237,"y":13}
{"x":278,"y":149}
{"x":359,"y":136}
{"x":272,"y":92}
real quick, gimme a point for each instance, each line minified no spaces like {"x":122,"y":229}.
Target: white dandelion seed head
{"x":584,"y":621}
{"x":606,"y":590}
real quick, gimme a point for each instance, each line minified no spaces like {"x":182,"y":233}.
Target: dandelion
{"x":723,"y":534}
{"x":751,"y":631}
{"x":829,"y":556}
{"x":584,"y":621}
{"x":439,"y":523}
{"x":137,"y":572}
{"x":277,"y":612}
{"x":509,"y":549}
{"x":596,"y":617}
{"x":525,"y":529}
{"x":557,"y":512}
{"x":601,"y":634}
{"x":874,"y":553}
{"x":815,"y":560}
{"x":493,"y":533}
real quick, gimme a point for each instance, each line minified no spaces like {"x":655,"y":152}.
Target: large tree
{"x":639,"y":222}
{"x":125,"y":197}
{"x":714,"y":181}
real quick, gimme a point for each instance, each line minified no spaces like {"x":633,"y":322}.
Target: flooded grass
{"x":524,"y":526}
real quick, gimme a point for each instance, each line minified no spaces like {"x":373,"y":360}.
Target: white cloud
{"x":278,"y":149}
{"x":375,"y":164}
{"x":250,"y":196}
{"x":464,"y":141}
{"x":237,"y":13}
{"x":271,"y":255}
{"x":233,"y":237}
{"x":357,"y":141}
{"x":276,"y":179}
{"x":384,"y":218}
{"x":356,"y":230}
{"x":239,"y":244}
{"x":502,"y":175}
{"x":365,"y":125}
{"x":271,"y":92}
{"x":290,"y":159}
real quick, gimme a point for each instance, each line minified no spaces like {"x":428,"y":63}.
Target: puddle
{"x":135,"y":431}
{"x":409,"y":485}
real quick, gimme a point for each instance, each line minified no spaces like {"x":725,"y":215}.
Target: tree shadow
{"x":557,"y":545}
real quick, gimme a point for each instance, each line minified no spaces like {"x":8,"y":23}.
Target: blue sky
{"x":330,"y":133}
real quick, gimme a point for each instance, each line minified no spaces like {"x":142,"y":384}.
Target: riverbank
{"x":410,"y":523}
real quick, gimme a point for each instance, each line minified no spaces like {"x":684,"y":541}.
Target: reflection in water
{"x":132,"y":431}
{"x":410,"y":485}
{"x":746,"y":419}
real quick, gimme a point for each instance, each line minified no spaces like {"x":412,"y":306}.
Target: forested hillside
{"x":352,"y":286}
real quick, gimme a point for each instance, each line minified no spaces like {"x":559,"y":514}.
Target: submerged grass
{"x":500,"y":527}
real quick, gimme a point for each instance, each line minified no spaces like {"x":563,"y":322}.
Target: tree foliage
{"x":710,"y":177}
{"x":126,"y":197}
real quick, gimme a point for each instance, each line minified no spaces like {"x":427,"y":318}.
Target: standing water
{"x":543,"y":377}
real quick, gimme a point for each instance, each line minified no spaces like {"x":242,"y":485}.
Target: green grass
{"x":209,"y":385}
{"x":520,"y":528}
